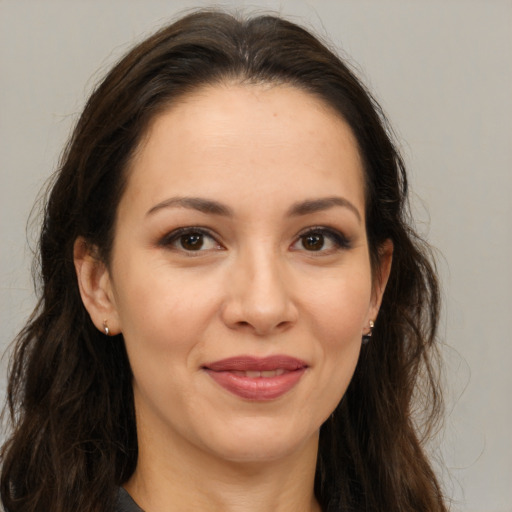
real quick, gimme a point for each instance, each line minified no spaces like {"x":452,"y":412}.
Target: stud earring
{"x":106,"y":330}
{"x":368,"y":335}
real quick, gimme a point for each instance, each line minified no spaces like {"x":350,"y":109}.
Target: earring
{"x":368,"y":335}
{"x":106,"y":330}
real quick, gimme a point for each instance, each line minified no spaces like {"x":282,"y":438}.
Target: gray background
{"x":443,"y":72}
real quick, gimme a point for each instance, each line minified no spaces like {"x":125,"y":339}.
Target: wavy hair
{"x":73,"y":438}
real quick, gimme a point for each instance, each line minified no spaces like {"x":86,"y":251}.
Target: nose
{"x":259,"y":296}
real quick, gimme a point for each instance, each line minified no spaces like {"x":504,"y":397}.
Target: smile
{"x":256,"y":374}
{"x":258,"y":379}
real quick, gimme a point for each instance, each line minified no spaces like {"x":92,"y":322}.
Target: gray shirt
{"x":125,"y":502}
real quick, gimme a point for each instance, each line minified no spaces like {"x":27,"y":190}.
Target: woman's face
{"x":240,"y":274}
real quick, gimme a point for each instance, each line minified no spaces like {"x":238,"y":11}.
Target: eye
{"x":313,"y":241}
{"x":191,"y":239}
{"x":321,"y":240}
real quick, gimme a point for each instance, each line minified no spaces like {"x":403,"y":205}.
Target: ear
{"x":95,"y":286}
{"x":380,"y":279}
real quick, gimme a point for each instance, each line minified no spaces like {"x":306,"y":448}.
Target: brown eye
{"x":322,"y":240}
{"x":313,"y":241}
{"x":192,"y":241}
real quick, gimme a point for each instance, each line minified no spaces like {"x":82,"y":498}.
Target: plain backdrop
{"x":442,"y":69}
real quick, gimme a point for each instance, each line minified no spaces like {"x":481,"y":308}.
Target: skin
{"x":257,"y":286}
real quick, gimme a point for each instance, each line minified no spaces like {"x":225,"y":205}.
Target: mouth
{"x":257,"y":379}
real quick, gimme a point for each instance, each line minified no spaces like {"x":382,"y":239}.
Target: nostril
{"x":259,"y":313}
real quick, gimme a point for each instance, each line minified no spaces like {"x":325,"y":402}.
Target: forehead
{"x":241,"y":140}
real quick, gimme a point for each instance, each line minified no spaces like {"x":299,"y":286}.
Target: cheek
{"x":160,"y":325}
{"x":338,"y":317}
{"x":162,"y":314}
{"x":340,"y":307}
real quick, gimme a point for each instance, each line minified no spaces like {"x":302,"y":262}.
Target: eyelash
{"x":339,"y":240}
{"x":174,"y":237}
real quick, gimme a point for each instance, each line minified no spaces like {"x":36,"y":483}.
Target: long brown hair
{"x":70,"y":399}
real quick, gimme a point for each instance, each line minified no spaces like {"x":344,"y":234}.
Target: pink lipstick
{"x":255,"y":378}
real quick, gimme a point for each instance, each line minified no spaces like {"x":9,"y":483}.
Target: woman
{"x":235,"y":312}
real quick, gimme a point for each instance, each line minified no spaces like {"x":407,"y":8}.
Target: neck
{"x":177,"y":482}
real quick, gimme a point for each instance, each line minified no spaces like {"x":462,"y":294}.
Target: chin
{"x":258,"y":444}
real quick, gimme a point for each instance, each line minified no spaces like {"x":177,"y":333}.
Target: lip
{"x":285,"y":373}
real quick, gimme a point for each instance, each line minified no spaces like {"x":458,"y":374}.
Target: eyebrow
{"x":193,"y":203}
{"x":318,"y":205}
{"x":210,"y":206}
